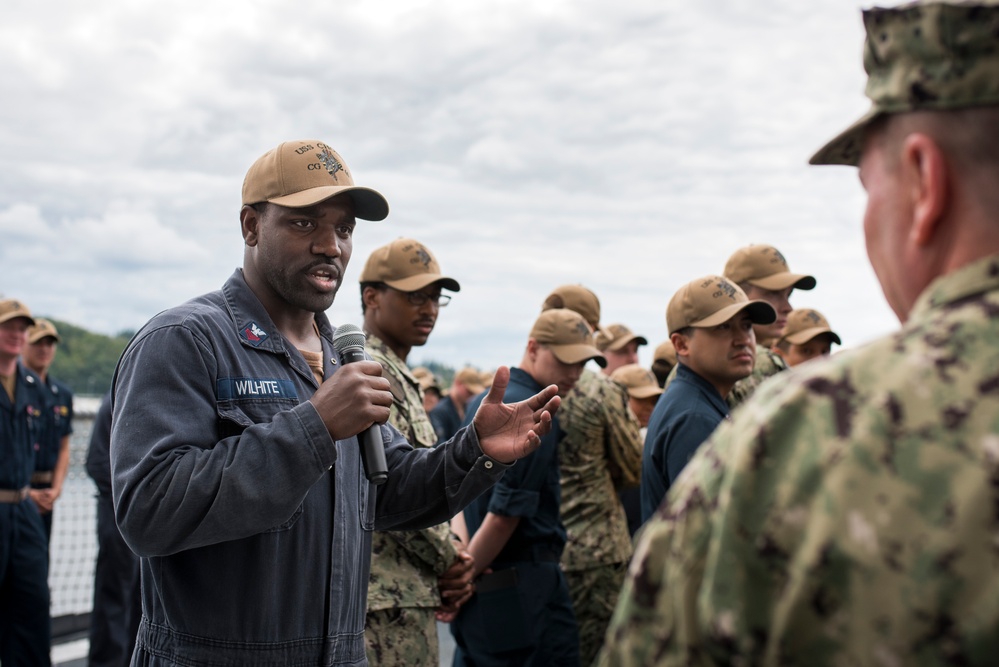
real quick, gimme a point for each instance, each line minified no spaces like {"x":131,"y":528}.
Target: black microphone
{"x":348,"y":340}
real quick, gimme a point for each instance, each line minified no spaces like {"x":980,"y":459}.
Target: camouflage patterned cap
{"x":710,"y":301}
{"x":405,"y":265}
{"x":42,"y":329}
{"x":567,"y":335}
{"x":804,"y":324}
{"x":923,"y":56}
{"x":11,"y":308}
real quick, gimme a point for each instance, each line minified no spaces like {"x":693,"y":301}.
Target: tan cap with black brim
{"x":406,"y":265}
{"x":615,"y":336}
{"x":12,"y":308}
{"x":665,"y":352}
{"x":764,"y":266}
{"x":713,"y":300}
{"x":472,"y":379}
{"x":42,"y":329}
{"x":923,"y":56}
{"x":804,"y":324}
{"x":302,"y":173}
{"x":639,"y":381}
{"x":568,"y":335}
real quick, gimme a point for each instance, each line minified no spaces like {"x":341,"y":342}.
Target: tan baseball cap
{"x":471,"y":378}
{"x":302,"y":173}
{"x":923,"y":56}
{"x":487,"y":378}
{"x":710,"y":301}
{"x":615,"y":336}
{"x":804,"y":324}
{"x":639,"y":381}
{"x":406,"y":265}
{"x":764,"y":266}
{"x":577,"y":298}
{"x":12,"y":308}
{"x":567,"y":335}
{"x":665,"y":352}
{"x":42,"y":329}
{"x":426,"y":378}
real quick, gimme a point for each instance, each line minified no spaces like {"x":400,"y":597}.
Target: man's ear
{"x":926,"y":176}
{"x":680,"y":344}
{"x":249,"y":220}
{"x":369,"y":296}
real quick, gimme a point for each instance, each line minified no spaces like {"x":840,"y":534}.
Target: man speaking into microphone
{"x":236,"y":470}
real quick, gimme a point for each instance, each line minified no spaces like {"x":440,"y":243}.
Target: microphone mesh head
{"x":348,"y":336}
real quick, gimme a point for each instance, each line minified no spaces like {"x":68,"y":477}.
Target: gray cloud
{"x":630,"y":146}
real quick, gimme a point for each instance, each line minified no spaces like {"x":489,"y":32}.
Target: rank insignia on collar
{"x":253,"y":334}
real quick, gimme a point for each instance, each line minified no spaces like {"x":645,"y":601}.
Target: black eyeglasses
{"x":420,"y":298}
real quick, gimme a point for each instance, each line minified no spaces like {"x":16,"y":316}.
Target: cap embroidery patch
{"x":253,"y":334}
{"x":583,"y":330}
{"x":330,"y":162}
{"x":724,"y":289}
{"x":422,"y":256}
{"x":778,"y":257}
{"x":813,"y":316}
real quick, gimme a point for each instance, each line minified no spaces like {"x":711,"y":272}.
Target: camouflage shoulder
{"x":395,"y":386}
{"x":768,"y":362}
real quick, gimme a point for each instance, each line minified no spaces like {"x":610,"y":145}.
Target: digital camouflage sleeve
{"x":848,"y":516}
{"x":405,"y":565}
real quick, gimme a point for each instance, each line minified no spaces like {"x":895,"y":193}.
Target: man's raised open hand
{"x":509,"y":431}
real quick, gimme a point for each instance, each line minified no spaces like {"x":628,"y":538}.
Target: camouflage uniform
{"x":847,"y":516}
{"x":767,"y":363}
{"x":401,"y":628}
{"x":600,"y":454}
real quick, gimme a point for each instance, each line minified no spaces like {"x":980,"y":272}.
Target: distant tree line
{"x":86,"y":360}
{"x":443,"y":372}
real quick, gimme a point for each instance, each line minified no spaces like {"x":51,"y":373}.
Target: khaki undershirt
{"x":315,"y":361}
{"x":9,"y":383}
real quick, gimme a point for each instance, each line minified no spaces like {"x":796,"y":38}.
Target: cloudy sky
{"x":630,"y":146}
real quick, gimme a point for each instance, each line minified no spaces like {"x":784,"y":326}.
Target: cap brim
{"x":368,"y":204}
{"x":644,"y":392}
{"x":845,"y":147}
{"x":16,"y":314}
{"x":617,"y":345}
{"x":42,"y":336}
{"x":417,"y":282}
{"x":760,"y":312}
{"x":779,"y":281}
{"x":475,"y":389}
{"x":802,"y":337}
{"x":574,"y":354}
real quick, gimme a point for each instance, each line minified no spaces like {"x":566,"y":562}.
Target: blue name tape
{"x":237,"y":388}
